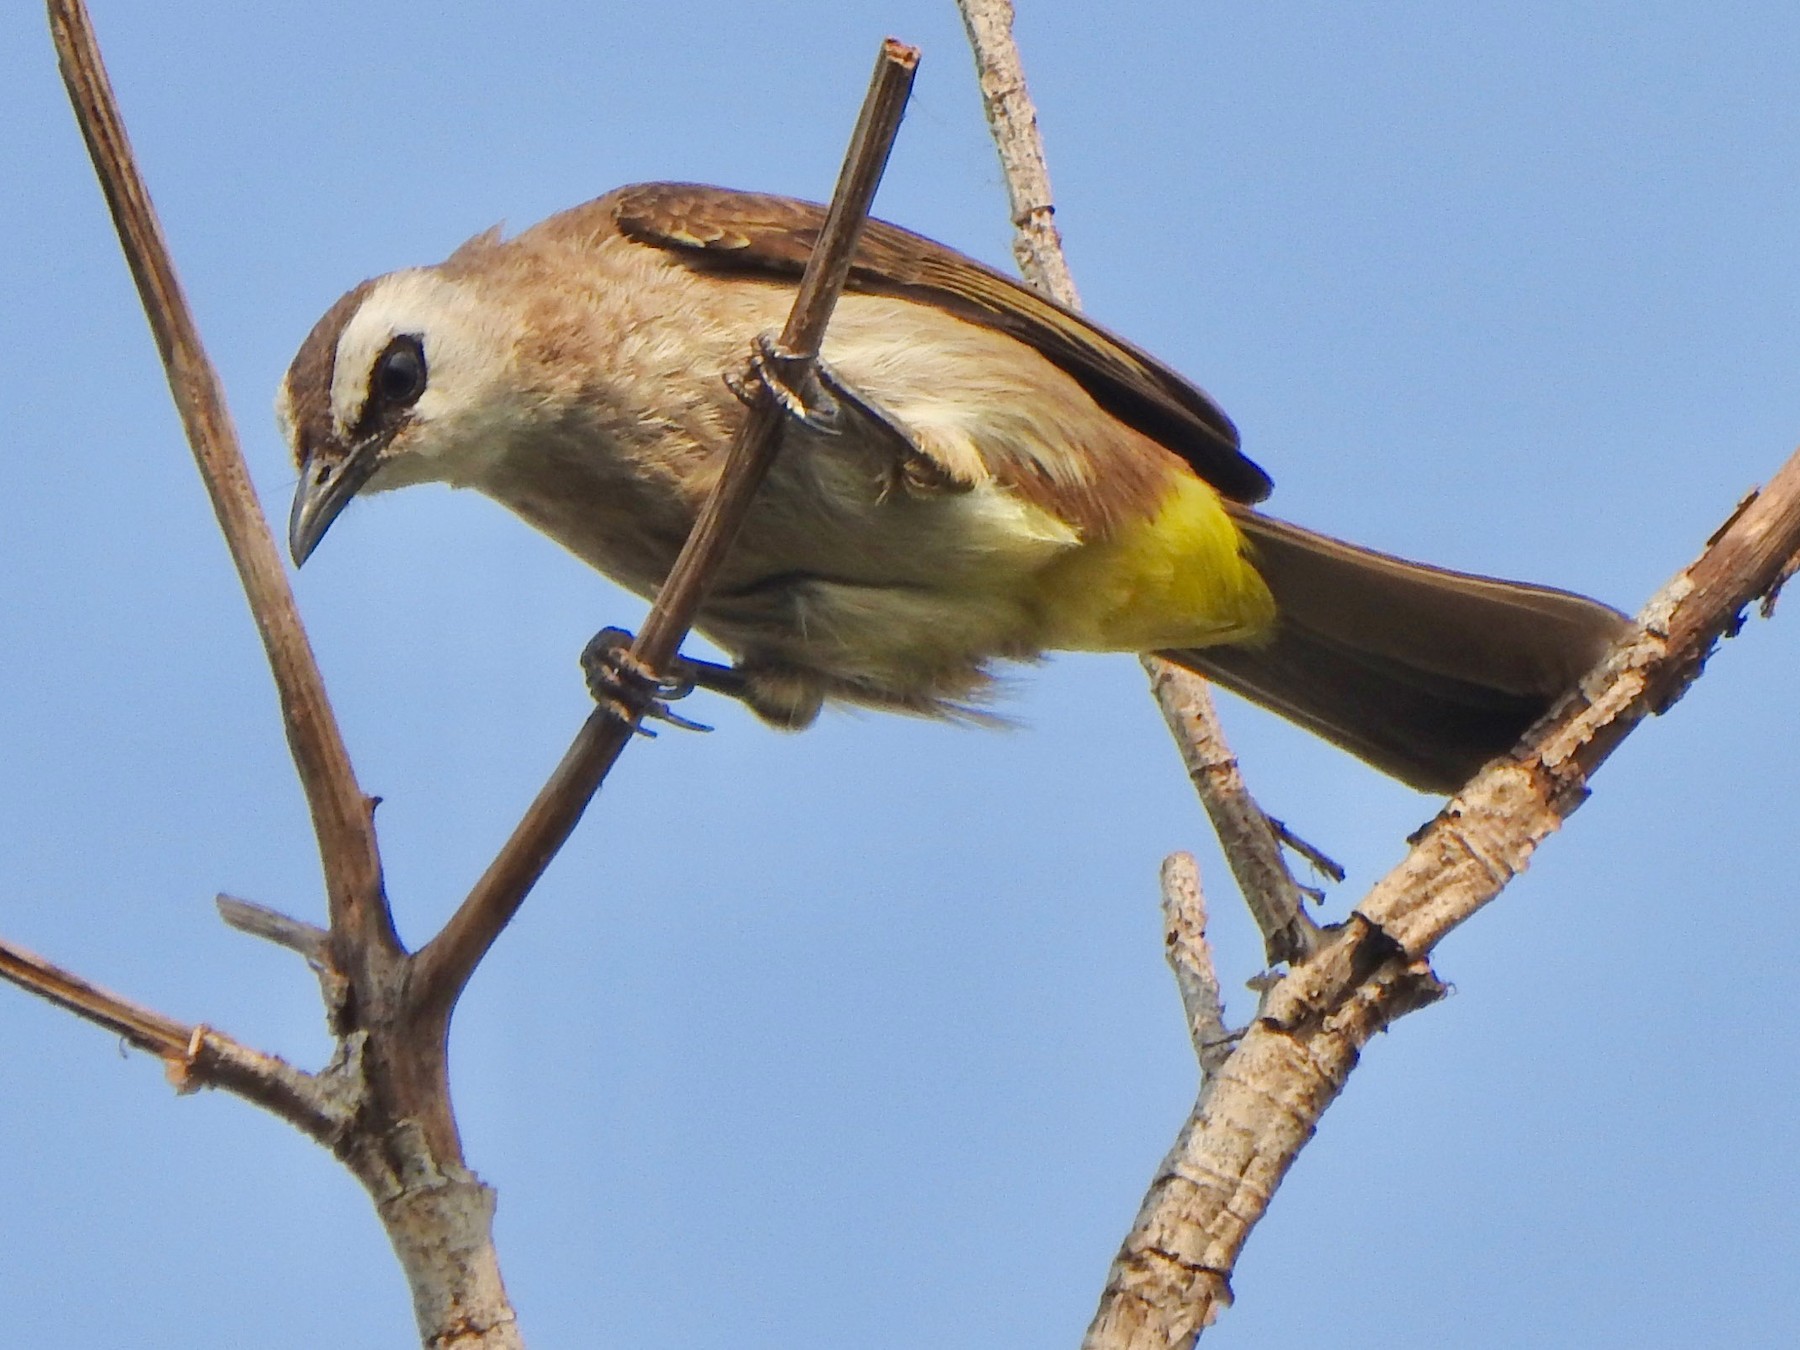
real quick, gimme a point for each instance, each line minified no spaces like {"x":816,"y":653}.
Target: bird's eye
{"x":399,"y":376}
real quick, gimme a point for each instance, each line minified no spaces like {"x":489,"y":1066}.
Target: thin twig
{"x":141,"y":1027}
{"x":1172,"y":1275}
{"x":1013,"y":120}
{"x":1246,"y":836}
{"x":309,"y":941}
{"x":1256,"y":862}
{"x":444,"y":964}
{"x":1190,"y":957}
{"x":192,"y":1056}
{"x":341,"y":814}
{"x":271,"y":925}
{"x":1315,"y":857}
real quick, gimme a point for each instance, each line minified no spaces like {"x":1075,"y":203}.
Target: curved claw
{"x":793,"y":382}
{"x":629,"y":690}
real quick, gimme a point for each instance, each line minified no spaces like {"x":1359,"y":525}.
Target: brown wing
{"x":744,"y":231}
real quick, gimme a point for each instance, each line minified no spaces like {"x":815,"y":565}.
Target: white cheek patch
{"x":467,"y":346}
{"x":391,"y":308}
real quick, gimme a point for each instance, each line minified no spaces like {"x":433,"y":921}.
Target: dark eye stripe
{"x":396,"y":382}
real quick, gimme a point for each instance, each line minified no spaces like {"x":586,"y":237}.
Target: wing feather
{"x":741,"y":231}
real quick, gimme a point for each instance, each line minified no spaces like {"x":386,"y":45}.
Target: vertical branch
{"x":1012,"y":118}
{"x":1251,"y":848}
{"x":362,"y":927}
{"x":1190,"y":957}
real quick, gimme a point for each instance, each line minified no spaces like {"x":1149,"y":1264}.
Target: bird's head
{"x":404,"y":380}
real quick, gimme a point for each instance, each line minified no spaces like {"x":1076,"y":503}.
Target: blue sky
{"x":863,"y":1036}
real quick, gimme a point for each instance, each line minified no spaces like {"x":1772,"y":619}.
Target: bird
{"x":973,"y":474}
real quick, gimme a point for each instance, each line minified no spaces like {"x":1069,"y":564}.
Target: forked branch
{"x":1258,"y":1107}
{"x":1171,"y":1278}
{"x":384,"y":1106}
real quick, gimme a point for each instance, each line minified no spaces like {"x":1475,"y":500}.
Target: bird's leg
{"x":630,"y":691}
{"x":816,"y":397}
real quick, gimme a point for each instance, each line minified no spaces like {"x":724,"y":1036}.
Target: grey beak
{"x":325,"y":489}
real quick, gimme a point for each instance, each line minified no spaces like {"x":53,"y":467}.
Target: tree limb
{"x":444,"y":965}
{"x":1259,"y":1108}
{"x":341,"y":814}
{"x":1190,"y":957}
{"x":1250,"y":847}
{"x":1247,"y":836}
{"x":193,"y":1056}
{"x":1171,"y":1278}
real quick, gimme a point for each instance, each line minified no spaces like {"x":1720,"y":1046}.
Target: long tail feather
{"x":1425,"y":673}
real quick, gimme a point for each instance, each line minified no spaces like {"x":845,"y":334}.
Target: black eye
{"x":399,"y":376}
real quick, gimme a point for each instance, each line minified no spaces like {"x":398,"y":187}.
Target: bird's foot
{"x":816,"y":397}
{"x":794,"y":382}
{"x":631,"y":691}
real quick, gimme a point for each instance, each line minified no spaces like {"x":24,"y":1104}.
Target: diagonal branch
{"x":136,"y":1025}
{"x":444,"y":965}
{"x":193,"y":1056}
{"x":1171,"y":1278}
{"x":340,"y":812}
{"x":1486,"y":834}
{"x":1250,"y":846}
{"x":1247,"y":836}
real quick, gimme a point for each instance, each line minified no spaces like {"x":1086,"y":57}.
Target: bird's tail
{"x":1425,"y":673}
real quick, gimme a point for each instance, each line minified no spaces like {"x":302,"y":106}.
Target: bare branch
{"x":139,"y":1026}
{"x":440,"y":1218}
{"x":340,"y":812}
{"x":271,"y":925}
{"x":1171,"y":1278}
{"x":389,"y":1077}
{"x":1256,"y":861}
{"x":1251,"y":846}
{"x":1190,"y":957}
{"x":323,"y":1106}
{"x":1012,"y":118}
{"x":1486,"y":834}
{"x":193,"y":1056}
{"x":444,"y":965}
{"x":311,"y":942}
{"x":1315,"y":858}
{"x":384,"y":1104}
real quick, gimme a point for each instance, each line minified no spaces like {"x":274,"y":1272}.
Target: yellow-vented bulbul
{"x":976,"y":474}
